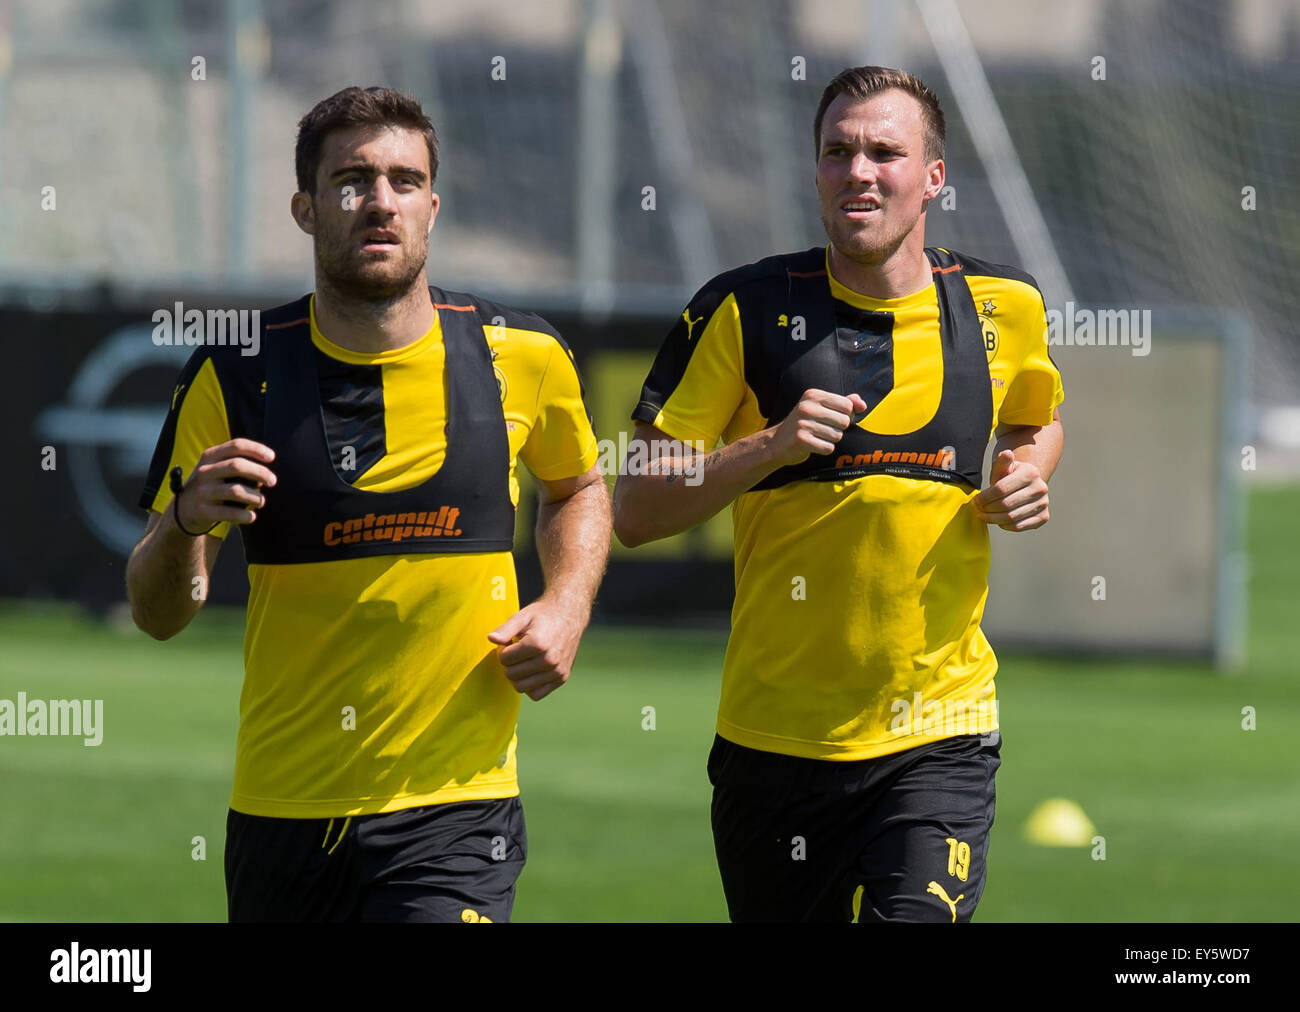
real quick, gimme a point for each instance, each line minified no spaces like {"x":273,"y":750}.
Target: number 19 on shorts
{"x":958,"y":858}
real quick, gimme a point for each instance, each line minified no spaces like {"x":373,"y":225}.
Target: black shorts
{"x":450,"y":862}
{"x":903,"y":837}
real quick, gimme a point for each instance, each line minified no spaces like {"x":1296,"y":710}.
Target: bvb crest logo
{"x":501,"y":377}
{"x":989,"y":329}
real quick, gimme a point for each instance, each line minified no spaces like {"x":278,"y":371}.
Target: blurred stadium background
{"x":1132,"y":154}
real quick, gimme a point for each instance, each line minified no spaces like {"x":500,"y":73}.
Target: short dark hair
{"x":353,"y":107}
{"x":863,"y":82}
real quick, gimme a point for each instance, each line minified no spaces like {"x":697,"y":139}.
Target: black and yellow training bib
{"x":861,"y":575}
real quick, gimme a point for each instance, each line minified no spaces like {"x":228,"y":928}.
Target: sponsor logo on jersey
{"x":393,"y":527}
{"x":940,"y":458}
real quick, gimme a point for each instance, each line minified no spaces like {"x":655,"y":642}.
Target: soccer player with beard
{"x":855,"y":388}
{"x":368,"y":458}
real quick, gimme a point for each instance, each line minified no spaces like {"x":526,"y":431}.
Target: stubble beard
{"x":857,"y":247}
{"x":344,"y":269}
{"x":864,"y":249}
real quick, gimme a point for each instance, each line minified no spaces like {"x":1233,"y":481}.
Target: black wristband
{"x":177,"y":487}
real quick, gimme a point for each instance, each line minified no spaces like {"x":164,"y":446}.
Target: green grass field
{"x":1201,"y":818}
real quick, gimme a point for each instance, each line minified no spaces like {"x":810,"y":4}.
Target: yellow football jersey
{"x":856,"y":624}
{"x":369,"y":683}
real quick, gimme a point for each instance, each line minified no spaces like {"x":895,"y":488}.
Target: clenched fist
{"x":816,"y":425}
{"x":1016,"y":499}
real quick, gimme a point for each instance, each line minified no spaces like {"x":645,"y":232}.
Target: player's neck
{"x":370,"y":327}
{"x":904,"y":272}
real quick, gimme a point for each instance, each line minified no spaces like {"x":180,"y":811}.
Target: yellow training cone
{"x":1059,"y":822}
